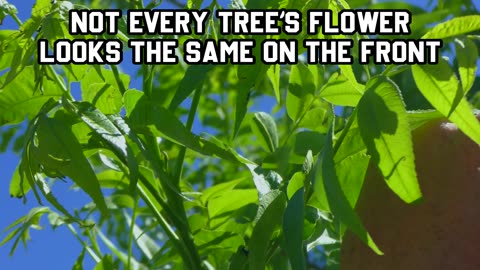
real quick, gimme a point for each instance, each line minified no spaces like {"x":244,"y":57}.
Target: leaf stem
{"x":16,"y":19}
{"x":183,"y":243}
{"x":191,"y":117}
{"x":130,"y":238}
{"x":174,"y":208}
{"x":388,"y":69}
{"x":89,"y":250}
{"x":147,"y":80}
{"x":120,"y":84}
{"x":58,"y":80}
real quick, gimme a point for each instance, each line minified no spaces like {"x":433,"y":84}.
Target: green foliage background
{"x":255,"y":189}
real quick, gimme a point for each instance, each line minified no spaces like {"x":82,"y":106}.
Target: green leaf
{"x":103,"y":96}
{"x":121,"y":140}
{"x":454,"y":27}
{"x":55,"y":24}
{"x":217,"y":241}
{"x":32,"y":170}
{"x":57,"y":149}
{"x":193,"y":79}
{"x":273,"y":74}
{"x":197,"y":222}
{"x":339,"y":204}
{"x":351,"y":163}
{"x":265,"y":129}
{"x":41,"y":8}
{"x":21,"y":57}
{"x":230,"y":201}
{"x":108,"y":129}
{"x":102,"y":90}
{"x":339,"y":90}
{"x":6,"y":137}
{"x":419,"y":118}
{"x":132,"y":150}
{"x":301,"y":90}
{"x":440,"y":86}
{"x":118,"y":201}
{"x":118,"y":253}
{"x":28,"y":167}
{"x":146,"y":244}
{"x":21,"y":98}
{"x":149,"y":118}
{"x":347,"y":71}
{"x":25,"y":53}
{"x":113,"y":128}
{"x":269,"y":218}
{"x":105,"y":264}
{"x":351,"y":174}
{"x":293,"y":230}
{"x":239,"y":260}
{"x":7,"y":49}
{"x":384,"y":128}
{"x":249,"y":77}
{"x":79,"y":262}
{"x":195,"y":4}
{"x":265,"y":181}
{"x":352,"y":143}
{"x":317,"y":117}
{"x":421,"y":21}
{"x":219,"y":189}
{"x":295,"y":184}
{"x":241,"y":106}
{"x":18,"y":186}
{"x":467,"y":56}
{"x":21,"y":227}
{"x":113,"y":179}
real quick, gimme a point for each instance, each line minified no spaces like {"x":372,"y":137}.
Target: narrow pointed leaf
{"x":79,"y":262}
{"x":58,"y":149}
{"x":147,"y":117}
{"x":454,"y":27}
{"x":467,"y":56}
{"x":341,"y":91}
{"x":106,"y":128}
{"x":146,"y":244}
{"x":193,"y":79}
{"x":301,"y":90}
{"x":440,"y":86}
{"x":264,"y":127}
{"x":384,"y":128}
{"x":20,"y":98}
{"x":265,"y":181}
{"x":248,"y":78}
{"x":419,"y":118}
{"x":293,"y":230}
{"x":101,"y":88}
{"x":336,"y":197}
{"x":273,"y":74}
{"x":18,"y":186}
{"x":105,"y":264}
{"x":269,"y":218}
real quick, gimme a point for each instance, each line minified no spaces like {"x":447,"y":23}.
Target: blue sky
{"x":47,"y":249}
